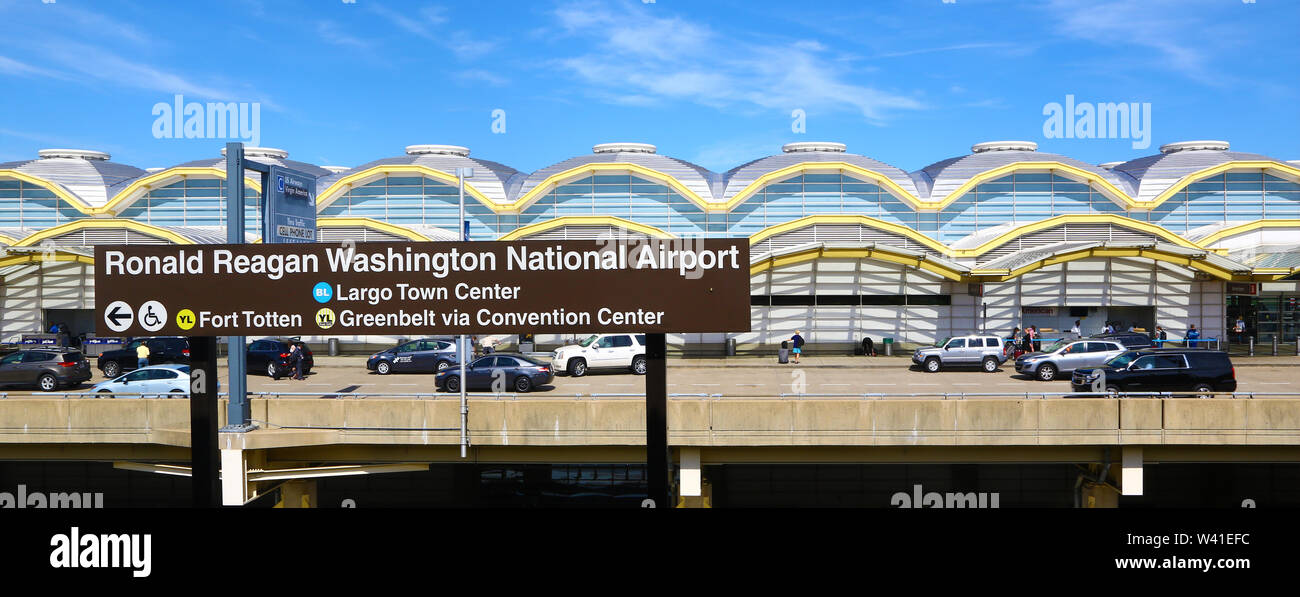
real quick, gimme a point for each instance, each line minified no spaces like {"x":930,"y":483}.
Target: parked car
{"x":426,"y":355}
{"x":46,"y":369}
{"x":602,"y":351}
{"x":1065,"y":356}
{"x":1162,"y":370}
{"x":272,"y":356}
{"x":170,"y":380}
{"x":517,"y":372}
{"x":162,"y":350}
{"x":1130,"y":340}
{"x":979,"y":350}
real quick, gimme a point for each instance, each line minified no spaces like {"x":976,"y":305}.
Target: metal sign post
{"x":461,"y":175}
{"x":656,"y":422}
{"x":288,"y":208}
{"x":239,"y":411}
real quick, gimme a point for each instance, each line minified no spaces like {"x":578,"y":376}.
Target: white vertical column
{"x":690,"y":485}
{"x":234,"y":478}
{"x":1131,"y":477}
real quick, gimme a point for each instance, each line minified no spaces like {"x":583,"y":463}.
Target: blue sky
{"x":906,"y":82}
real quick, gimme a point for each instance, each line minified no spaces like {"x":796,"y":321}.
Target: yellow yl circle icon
{"x":325,"y":318}
{"x":185,"y":319}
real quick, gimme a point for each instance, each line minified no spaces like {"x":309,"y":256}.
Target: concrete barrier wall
{"x":692,"y":422}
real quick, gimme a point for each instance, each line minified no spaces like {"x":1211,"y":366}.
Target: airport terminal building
{"x":843,"y":246}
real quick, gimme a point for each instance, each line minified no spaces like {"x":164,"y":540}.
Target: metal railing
{"x":781,"y":396}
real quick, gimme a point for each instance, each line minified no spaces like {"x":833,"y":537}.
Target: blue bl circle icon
{"x":322,"y":292}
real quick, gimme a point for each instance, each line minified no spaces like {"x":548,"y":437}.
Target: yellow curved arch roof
{"x":141,"y":186}
{"x":537,"y":227}
{"x":1104,"y":186}
{"x":67,"y":197}
{"x":1001,"y":239}
{"x":22,"y":258}
{"x":141,"y":227}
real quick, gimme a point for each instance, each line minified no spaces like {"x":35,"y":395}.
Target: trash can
{"x":889,"y":347}
{"x":783,"y":354}
{"x":731,"y":347}
{"x":334,"y":347}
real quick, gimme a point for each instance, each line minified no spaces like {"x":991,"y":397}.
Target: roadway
{"x":740,"y":376}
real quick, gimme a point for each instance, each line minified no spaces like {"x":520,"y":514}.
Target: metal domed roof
{"x":941,"y":178}
{"x":740,"y":177}
{"x":87,"y":175}
{"x":490,"y":178}
{"x":699,"y":180}
{"x":1156,"y":173}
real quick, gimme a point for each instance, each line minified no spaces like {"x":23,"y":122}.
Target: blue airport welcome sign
{"x":290,"y":214}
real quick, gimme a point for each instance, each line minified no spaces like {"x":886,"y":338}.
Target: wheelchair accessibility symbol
{"x":152,"y":316}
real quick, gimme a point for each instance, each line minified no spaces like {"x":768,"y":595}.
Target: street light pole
{"x":461,"y":175}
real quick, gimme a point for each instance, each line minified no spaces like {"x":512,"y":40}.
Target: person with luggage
{"x":798,"y":342}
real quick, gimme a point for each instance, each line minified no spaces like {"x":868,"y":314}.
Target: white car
{"x":602,"y":351}
{"x":158,"y":380}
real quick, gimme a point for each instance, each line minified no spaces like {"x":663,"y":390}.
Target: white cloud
{"x":426,"y":23}
{"x":1173,"y":32}
{"x":9,"y":66}
{"x":641,"y":55}
{"x":111,"y":68}
{"x":483,"y":76}
{"x":330,"y":32}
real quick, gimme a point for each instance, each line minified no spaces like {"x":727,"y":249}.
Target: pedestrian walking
{"x":1239,"y":329}
{"x":295,"y":361}
{"x":1077,"y":330}
{"x":1160,"y":336}
{"x":142,"y":355}
{"x":797,"y":341}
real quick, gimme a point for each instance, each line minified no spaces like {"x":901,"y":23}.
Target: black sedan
{"x":426,"y":355}
{"x":498,"y":373}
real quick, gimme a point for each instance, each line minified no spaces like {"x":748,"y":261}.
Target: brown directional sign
{"x":651,"y":286}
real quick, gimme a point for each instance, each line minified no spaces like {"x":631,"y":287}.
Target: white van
{"x":602,"y":351}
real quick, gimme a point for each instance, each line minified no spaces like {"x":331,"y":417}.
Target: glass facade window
{"x":419,"y":201}
{"x":1229,"y":197}
{"x":623,"y":196}
{"x":1019,"y":198}
{"x":27,"y":205}
{"x":193,"y":202}
{"x":818,"y":194}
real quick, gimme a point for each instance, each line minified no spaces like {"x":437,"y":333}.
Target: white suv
{"x":601,"y":351}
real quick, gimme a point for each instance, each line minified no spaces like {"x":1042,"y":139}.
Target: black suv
{"x":1132,"y":340}
{"x":47,"y":369}
{"x":162,"y":350}
{"x":272,"y":356}
{"x":1163,"y":370}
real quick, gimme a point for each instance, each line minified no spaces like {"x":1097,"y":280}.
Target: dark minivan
{"x":1163,"y":370}
{"x":1131,"y":340}
{"x":162,"y":350}
{"x":47,"y":369}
